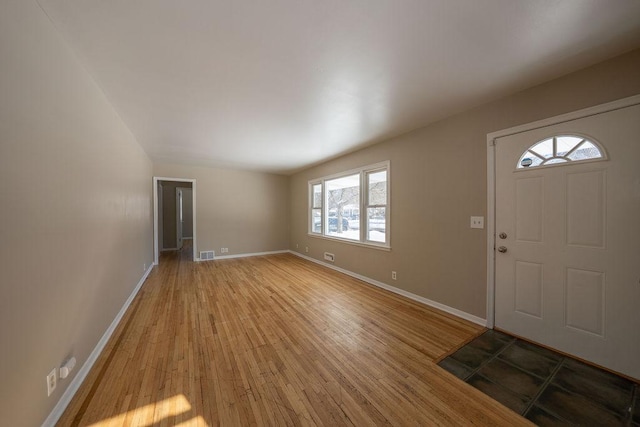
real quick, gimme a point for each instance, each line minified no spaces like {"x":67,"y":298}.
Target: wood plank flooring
{"x":277,"y":340}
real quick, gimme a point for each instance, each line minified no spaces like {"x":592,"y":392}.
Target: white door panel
{"x":570,"y":276}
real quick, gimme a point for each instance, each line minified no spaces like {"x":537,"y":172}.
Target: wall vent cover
{"x":206,"y":255}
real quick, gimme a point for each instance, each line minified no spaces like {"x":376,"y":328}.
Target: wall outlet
{"x":144,"y":267}
{"x":296,"y":246}
{"x":224,"y":250}
{"x":394,"y":276}
{"x":477,"y":222}
{"x":52,"y":381}
{"x":306,"y":248}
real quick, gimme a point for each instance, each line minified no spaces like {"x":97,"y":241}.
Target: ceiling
{"x":279,"y":85}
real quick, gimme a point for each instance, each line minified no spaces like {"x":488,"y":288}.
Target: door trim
{"x":155,"y":214}
{"x":491,"y":179}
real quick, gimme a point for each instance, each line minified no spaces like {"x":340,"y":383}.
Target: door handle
{"x":502,"y":249}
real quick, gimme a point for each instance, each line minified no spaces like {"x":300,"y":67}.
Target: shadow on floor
{"x":545,"y":387}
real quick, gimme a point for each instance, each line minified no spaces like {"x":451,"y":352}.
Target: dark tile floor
{"x":547,"y":388}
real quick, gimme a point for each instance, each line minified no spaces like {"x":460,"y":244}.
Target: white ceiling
{"x":278,"y":85}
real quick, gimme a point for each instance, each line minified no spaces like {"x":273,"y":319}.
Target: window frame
{"x":363,"y":205}
{"x":313,"y":207}
{"x":366,"y":205}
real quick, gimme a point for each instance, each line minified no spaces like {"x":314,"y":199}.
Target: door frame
{"x":491,"y":180}
{"x":156,"y":251}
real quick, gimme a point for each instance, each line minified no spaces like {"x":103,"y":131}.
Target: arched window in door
{"x":561,"y":149}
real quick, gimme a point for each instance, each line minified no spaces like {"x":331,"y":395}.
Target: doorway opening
{"x":174,"y":216}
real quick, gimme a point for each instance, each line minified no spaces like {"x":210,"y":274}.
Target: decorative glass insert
{"x":560,"y":149}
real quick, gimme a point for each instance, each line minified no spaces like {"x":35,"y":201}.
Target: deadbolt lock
{"x":502,"y":235}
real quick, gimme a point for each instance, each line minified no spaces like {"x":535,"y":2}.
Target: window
{"x":560,"y":149}
{"x":316,"y":208}
{"x":337,"y":201}
{"x":377,"y":206}
{"x":340,"y":193}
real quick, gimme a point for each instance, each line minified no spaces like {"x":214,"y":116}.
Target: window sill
{"x":381,"y":246}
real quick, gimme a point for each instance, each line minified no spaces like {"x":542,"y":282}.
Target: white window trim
{"x":363,"y":200}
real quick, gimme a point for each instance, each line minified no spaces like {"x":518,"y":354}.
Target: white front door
{"x":568,"y":273}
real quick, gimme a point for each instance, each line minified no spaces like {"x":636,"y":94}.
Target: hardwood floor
{"x":277,"y":340}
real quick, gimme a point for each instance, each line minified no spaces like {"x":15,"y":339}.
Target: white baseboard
{"x":75,"y":384}
{"x":217,"y":257}
{"x":454,"y":311}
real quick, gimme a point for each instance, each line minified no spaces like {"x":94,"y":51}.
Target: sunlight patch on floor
{"x":172,"y":409}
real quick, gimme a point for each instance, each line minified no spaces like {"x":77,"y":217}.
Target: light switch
{"x":477,"y":222}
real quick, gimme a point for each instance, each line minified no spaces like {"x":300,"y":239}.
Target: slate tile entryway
{"x":545,"y":387}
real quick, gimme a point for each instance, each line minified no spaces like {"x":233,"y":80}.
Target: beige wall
{"x":439,"y":179}
{"x":247,"y":212}
{"x":75,"y":217}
